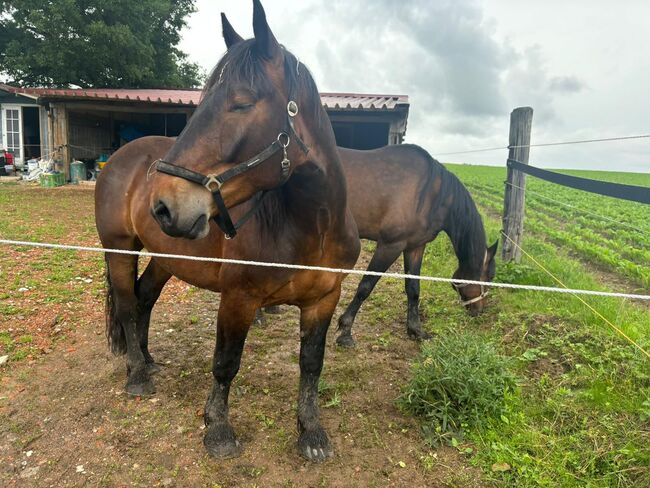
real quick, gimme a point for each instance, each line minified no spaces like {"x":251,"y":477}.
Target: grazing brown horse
{"x":259,"y":151}
{"x":402,"y":198}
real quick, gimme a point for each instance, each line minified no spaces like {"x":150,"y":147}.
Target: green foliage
{"x":460,"y":381}
{"x":104,"y":43}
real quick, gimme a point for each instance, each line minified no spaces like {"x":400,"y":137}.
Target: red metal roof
{"x":333,"y":101}
{"x":173,"y":97}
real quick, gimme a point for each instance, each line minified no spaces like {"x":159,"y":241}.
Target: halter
{"x":464,"y":303}
{"x":213,"y":182}
{"x":484,"y":290}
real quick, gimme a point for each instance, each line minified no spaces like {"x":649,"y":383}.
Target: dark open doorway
{"x":361,"y":135}
{"x":31,"y":133}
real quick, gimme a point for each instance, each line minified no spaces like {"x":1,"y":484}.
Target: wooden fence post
{"x":521,"y":122}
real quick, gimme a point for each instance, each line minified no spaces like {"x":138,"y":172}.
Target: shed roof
{"x":192,"y":97}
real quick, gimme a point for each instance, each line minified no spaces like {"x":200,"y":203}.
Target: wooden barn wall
{"x":90,"y":135}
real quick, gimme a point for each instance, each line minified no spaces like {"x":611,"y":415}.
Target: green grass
{"x":581,"y":416}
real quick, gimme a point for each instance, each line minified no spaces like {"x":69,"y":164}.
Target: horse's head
{"x":473,"y":297}
{"x":241,"y":140}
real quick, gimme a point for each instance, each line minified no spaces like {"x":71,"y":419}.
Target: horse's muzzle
{"x":169,"y":222}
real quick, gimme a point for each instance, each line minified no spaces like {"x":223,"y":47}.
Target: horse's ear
{"x":492,"y":250}
{"x":266,"y":43}
{"x":229,"y":34}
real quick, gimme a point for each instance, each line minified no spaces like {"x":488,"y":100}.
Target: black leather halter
{"x":214,"y":182}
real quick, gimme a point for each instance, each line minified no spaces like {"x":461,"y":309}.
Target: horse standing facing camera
{"x":258,"y":160}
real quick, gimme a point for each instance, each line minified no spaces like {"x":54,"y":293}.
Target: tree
{"x":95,"y":43}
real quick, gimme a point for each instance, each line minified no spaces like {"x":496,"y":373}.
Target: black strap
{"x":223,"y":219}
{"x":186,"y":174}
{"x":640,"y":194}
{"x":274,"y":147}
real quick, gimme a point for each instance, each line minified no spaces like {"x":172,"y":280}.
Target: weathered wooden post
{"x":521,"y":123}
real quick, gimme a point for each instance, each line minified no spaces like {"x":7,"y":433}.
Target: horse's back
{"x":120,"y":185}
{"x":390,"y":190}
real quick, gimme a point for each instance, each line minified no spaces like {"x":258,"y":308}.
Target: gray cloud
{"x":566,"y":84}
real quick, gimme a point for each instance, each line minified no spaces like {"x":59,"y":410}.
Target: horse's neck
{"x":319,"y":184}
{"x":467,"y":234}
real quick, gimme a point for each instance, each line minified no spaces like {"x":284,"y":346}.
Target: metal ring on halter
{"x":155,"y":163}
{"x":292,"y":108}
{"x":212,"y":180}
{"x":281,"y":135}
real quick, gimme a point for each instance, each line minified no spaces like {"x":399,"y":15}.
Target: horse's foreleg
{"x":313,"y":442}
{"x":413,"y":265}
{"x":122,"y":272}
{"x":384,"y":256}
{"x":148,"y":289}
{"x":236,"y":314}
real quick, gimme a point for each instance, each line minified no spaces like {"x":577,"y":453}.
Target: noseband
{"x":464,"y":303}
{"x":214,"y":182}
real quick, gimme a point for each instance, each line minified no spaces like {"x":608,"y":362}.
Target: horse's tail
{"x":114,"y":330}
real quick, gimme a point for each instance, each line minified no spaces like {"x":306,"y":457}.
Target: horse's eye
{"x":241,"y":107}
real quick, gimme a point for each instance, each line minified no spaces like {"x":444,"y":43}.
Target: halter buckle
{"x":292,"y":108}
{"x":211,"y":181}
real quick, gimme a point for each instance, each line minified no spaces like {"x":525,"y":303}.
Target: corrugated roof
{"x":173,"y":97}
{"x":333,"y":101}
{"x":362,"y":101}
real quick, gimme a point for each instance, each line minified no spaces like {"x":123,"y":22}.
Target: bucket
{"x":32,"y":165}
{"x":77,"y":172}
{"x":51,"y":180}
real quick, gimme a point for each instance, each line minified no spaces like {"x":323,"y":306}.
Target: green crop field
{"x":610,"y":233}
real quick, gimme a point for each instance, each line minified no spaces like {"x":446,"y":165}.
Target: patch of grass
{"x":460,"y":381}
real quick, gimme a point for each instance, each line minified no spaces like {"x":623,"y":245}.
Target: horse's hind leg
{"x":313,"y":442}
{"x":412,"y":265}
{"x":384,"y":256}
{"x":122,"y":325}
{"x":148,"y":289}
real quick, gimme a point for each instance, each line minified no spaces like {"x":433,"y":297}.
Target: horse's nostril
{"x":162,"y":213}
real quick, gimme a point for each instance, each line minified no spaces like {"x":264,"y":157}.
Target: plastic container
{"x":77,"y":172}
{"x":9,"y":169}
{"x":52,"y":180}
{"x":32,"y":165}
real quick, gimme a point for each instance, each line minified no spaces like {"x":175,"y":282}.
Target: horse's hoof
{"x":144,"y":388}
{"x":274,"y":310}
{"x":315,"y":445}
{"x":221,"y":443}
{"x":153,"y":368}
{"x":418,"y":335}
{"x":345,"y":340}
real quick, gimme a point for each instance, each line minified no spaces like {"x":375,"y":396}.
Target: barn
{"x":84,"y":124}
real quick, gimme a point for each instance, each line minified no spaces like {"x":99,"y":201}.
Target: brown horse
{"x":260,"y":149}
{"x":402,"y":198}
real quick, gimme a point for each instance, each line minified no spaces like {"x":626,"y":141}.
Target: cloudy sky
{"x":465,"y":64}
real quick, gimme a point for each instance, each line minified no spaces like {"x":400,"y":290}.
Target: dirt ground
{"x":65,"y":420}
